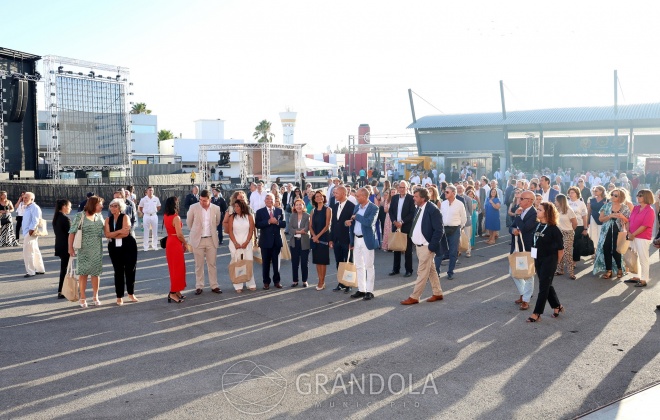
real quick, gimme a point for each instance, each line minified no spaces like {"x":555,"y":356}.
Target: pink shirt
{"x":640,"y":217}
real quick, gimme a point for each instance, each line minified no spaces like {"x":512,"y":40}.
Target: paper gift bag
{"x":285,"y":253}
{"x":256,"y":255}
{"x":240,"y":270}
{"x":70,"y":288}
{"x":41,"y":228}
{"x":347,"y":273}
{"x":521,"y":263}
{"x":464,"y":244}
{"x":622,"y":243}
{"x":630,"y":259}
{"x":398,"y":241}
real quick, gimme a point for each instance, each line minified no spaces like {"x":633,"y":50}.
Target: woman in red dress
{"x":175,"y":247}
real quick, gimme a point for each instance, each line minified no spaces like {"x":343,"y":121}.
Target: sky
{"x":344,"y":63}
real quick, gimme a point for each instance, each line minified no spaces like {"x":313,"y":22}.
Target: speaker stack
{"x":20,"y":100}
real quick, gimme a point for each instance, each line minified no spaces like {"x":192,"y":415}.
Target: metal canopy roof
{"x":17,"y":55}
{"x":637,"y":115}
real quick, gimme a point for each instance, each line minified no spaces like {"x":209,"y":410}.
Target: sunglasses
{"x":113,"y":205}
{"x":640,"y":195}
{"x":615,"y":195}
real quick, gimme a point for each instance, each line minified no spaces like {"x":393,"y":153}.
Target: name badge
{"x":533,"y":252}
{"x":118,"y":242}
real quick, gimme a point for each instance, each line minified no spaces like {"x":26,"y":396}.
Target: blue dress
{"x":492,"y":215}
{"x":320,"y":251}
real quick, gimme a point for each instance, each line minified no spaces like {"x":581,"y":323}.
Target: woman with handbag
{"x":614,"y":216}
{"x":122,"y":249}
{"x":299,"y":242}
{"x":61,"y":226}
{"x":7,"y":237}
{"x":318,"y":229}
{"x":241,"y":233}
{"x":548,"y":250}
{"x":90,"y":254}
{"x":566,"y":222}
{"x":595,"y":204}
{"x":176,"y":246}
{"x":640,"y":232}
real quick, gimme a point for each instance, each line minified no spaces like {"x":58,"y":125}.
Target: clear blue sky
{"x":343,"y":63}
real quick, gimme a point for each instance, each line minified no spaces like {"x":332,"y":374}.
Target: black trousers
{"x":609,"y":248}
{"x":408,"y":258}
{"x":269,"y":257}
{"x":19,"y":225}
{"x":64,"y":264}
{"x":124,"y":262}
{"x":545,"y":270}
{"x":480,"y":230}
{"x":299,"y":257}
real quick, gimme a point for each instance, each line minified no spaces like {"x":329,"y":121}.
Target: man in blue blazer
{"x":269,"y":220}
{"x":547,"y":191}
{"x":426,"y":231}
{"x":363,"y":242}
{"x":523,"y":227}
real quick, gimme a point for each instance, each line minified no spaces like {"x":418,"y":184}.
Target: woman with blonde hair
{"x":598,"y":199}
{"x":640,"y":231}
{"x":614,"y":216}
{"x":567,"y":222}
{"x":90,"y":254}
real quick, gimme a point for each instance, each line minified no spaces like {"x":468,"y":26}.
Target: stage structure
{"x":88,"y":117}
{"x":18,"y":111}
{"x":286,"y":157}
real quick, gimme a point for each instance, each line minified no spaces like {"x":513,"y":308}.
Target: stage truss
{"x":243,"y":149}
{"x":5,"y":83}
{"x":63,"y":67}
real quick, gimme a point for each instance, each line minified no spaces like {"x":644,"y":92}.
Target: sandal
{"x":619,"y":274}
{"x":558,"y":311}
{"x":607,"y":275}
{"x":572,"y":277}
{"x":642,"y":283}
{"x":559,"y":273}
{"x":524,"y":306}
{"x":537,"y":319}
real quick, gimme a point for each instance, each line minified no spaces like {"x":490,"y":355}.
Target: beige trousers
{"x":205,"y":251}
{"x":425,"y":271}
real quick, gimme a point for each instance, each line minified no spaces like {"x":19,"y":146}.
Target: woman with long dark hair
{"x":61,"y":226}
{"x":174,"y":249}
{"x":320,"y":237}
{"x":241,"y":234}
{"x":548,"y":250}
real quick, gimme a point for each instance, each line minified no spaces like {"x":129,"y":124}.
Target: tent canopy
{"x":316,"y":165}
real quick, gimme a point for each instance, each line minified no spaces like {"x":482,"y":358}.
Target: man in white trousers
{"x":34,"y":264}
{"x":149,"y":207}
{"x":363,"y":242}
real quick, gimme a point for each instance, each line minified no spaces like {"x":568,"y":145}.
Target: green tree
{"x":140,"y":108}
{"x":262,"y":133}
{"x":165,"y":135}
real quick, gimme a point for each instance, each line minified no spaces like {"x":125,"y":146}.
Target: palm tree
{"x":262,"y":133}
{"x":140,"y":108}
{"x":165,"y":135}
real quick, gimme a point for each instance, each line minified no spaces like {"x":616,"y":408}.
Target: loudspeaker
{"x":20,"y":100}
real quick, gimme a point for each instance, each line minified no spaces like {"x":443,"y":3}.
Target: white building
{"x":288,"y":125}
{"x":144,"y":134}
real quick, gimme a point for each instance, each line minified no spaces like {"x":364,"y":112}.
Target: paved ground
{"x":308,"y":354}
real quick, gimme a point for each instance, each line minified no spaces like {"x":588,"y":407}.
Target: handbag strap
{"x":348,"y":257}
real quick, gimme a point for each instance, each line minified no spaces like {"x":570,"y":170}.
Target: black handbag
{"x":163,"y":242}
{"x":5,"y":220}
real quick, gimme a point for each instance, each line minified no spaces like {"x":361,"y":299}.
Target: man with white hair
{"x":269,"y":220}
{"x":34,"y":264}
{"x":363,"y":242}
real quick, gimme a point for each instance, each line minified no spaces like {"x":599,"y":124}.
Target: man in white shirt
{"x":414,"y":179}
{"x":426,"y":233}
{"x":426,"y":181}
{"x":257,"y":198}
{"x":454,"y":218}
{"x":150,"y":206}
{"x":203,"y":220}
{"x":34,"y":263}
{"x":441,"y":177}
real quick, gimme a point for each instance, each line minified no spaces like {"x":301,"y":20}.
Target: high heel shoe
{"x":320,"y":287}
{"x":607,"y":275}
{"x":83,"y":303}
{"x":180,"y":296}
{"x":537,"y":319}
{"x":619,"y":274}
{"x":170,"y":299}
{"x":558,"y":311}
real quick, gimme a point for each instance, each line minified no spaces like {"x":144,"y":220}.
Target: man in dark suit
{"x":402,"y":212}
{"x":191,"y":198}
{"x":269,"y":221}
{"x":523,"y":227}
{"x":547,"y":191}
{"x":340,"y":240}
{"x":219,"y":201}
{"x":426,"y":231}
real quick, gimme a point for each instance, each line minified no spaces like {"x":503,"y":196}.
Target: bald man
{"x":522,"y":228}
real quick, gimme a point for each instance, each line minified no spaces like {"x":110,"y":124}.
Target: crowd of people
{"x":558,"y":222}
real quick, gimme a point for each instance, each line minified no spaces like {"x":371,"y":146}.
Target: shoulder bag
{"x":77,"y":240}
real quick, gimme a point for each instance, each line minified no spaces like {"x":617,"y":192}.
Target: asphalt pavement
{"x":302,"y":353}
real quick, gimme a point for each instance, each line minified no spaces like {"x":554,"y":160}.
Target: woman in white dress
{"x":241,"y":232}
